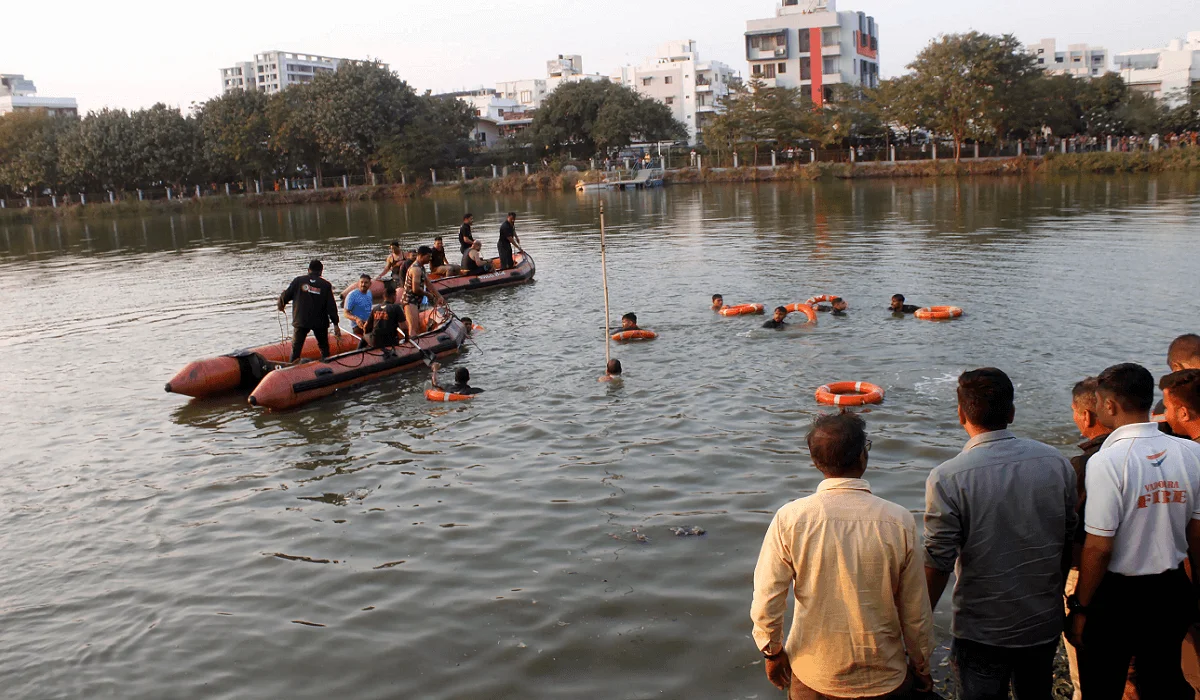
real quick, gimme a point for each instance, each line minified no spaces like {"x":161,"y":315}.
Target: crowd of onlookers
{"x":1098,"y":549}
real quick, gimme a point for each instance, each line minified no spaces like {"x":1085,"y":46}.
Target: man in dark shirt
{"x":629,"y":322}
{"x":465,"y":239}
{"x":313,"y":309}
{"x":462,"y":381}
{"x":508,"y":238}
{"x":899,"y":307}
{"x":777,"y":318}
{"x":384,"y":323}
{"x":437,"y":260}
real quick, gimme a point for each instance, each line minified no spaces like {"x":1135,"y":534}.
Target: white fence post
{"x":433,"y":172}
{"x":82,"y":198}
{"x":54,"y":201}
{"x":772,"y":158}
{"x":699,"y":162}
{"x":110,"y":197}
{"x":976,"y":149}
{"x":345,"y":183}
{"x":373,"y":183}
{"x":812,"y":155}
{"x":226,"y":189}
{"x":493,"y":171}
{"x":316,"y":183}
{"x":852,"y":156}
{"x":464,"y":173}
{"x":527,"y":168}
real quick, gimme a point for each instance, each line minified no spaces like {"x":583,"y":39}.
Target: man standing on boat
{"x":465,"y":239}
{"x":415,"y":288}
{"x":313,"y":311}
{"x":508,"y":238}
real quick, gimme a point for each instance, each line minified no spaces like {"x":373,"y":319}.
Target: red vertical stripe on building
{"x":816,"y":66}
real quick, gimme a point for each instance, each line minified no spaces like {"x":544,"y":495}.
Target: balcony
{"x":767,"y":45}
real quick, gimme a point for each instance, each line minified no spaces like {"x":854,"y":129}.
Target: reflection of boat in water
{"x":618,"y":180}
{"x":243,"y":369}
{"x":453,"y":284}
{"x":297,"y":385}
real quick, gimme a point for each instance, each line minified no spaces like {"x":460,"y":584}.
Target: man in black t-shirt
{"x":899,"y":307}
{"x":465,"y":239}
{"x":777,"y":319}
{"x":508,"y":238}
{"x":382,"y":328}
{"x":313,"y":310}
{"x":462,"y":381}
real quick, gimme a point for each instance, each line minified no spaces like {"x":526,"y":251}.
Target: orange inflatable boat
{"x":522,"y":273}
{"x":243,"y":369}
{"x":294,"y":386}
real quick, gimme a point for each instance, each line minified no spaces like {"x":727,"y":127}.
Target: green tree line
{"x":359,"y":119}
{"x":970,"y":87}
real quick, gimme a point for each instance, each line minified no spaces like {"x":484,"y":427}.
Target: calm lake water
{"x":374,"y":545}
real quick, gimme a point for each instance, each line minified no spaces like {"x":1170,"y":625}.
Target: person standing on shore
{"x":508,"y":238}
{"x":862,"y":625}
{"x":1000,"y":515}
{"x":465,"y":239}
{"x":1183,"y":353}
{"x":314,"y":309}
{"x":1142,"y":521}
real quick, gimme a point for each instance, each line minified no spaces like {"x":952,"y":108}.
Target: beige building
{"x":273,"y":71}
{"x":677,"y":77}
{"x":1079,"y":60}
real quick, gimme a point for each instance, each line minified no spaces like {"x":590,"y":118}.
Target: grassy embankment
{"x":1175,"y":160}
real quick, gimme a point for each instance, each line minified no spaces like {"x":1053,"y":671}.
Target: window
{"x":829,"y":37}
{"x":804,"y":46}
{"x":1041,"y":51}
{"x":647,"y":81}
{"x":526,"y":96}
{"x":1058,"y":59}
{"x":1041,"y":61}
{"x":829,"y":65}
{"x":758,"y":69}
{"x":805,"y":69}
{"x":769,"y":71}
{"x":782,"y":68}
{"x":668,"y":79}
{"x":670,"y":100}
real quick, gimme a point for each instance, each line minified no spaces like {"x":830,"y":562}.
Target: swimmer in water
{"x":718,"y":302}
{"x":777,"y":321}
{"x":899,"y":307}
{"x":629,"y":322}
{"x":612,"y":371}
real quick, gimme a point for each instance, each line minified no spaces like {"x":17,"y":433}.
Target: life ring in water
{"x":820,"y":298}
{"x":439,"y":395}
{"x":638,"y":334}
{"x":742,"y":309}
{"x":805,"y":309}
{"x":849,"y":394}
{"x":937,"y":313}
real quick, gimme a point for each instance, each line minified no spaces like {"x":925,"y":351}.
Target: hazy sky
{"x":133,"y":53}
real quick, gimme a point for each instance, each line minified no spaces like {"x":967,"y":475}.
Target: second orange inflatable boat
{"x":244,"y":368}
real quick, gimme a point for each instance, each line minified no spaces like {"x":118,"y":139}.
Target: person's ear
{"x":962,"y":417}
{"x":1012,"y":414}
{"x":1090,"y":419}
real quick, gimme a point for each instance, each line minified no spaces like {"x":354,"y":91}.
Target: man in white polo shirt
{"x":1142,"y":517}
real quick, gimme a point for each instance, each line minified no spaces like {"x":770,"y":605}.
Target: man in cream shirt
{"x":862,"y":627}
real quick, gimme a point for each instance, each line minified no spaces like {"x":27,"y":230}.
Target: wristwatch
{"x":1074,"y":606}
{"x":766,"y":652}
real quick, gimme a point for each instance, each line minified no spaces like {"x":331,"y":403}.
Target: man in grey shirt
{"x":1000,"y":516}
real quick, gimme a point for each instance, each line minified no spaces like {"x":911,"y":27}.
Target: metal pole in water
{"x":604,"y":278}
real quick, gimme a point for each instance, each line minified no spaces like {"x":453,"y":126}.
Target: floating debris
{"x":389,"y":564}
{"x":294,"y":557}
{"x":307,"y":623}
{"x":688,"y":531}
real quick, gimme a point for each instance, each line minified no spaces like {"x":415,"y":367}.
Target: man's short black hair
{"x":389,"y":289}
{"x":898,"y":297}
{"x":630,"y":317}
{"x":1129,"y":384}
{"x":437,"y":238}
{"x":365,"y":276}
{"x":462,"y":376}
{"x":836,"y":443}
{"x":614,"y":367}
{"x":316,"y":267}
{"x":779,"y":309}
{"x":1084,"y":393}
{"x":395,"y":244}
{"x":717,"y":296}
{"x":512,"y":214}
{"x":424,"y":250}
{"x":468,"y":215}
{"x":1184,"y":386}
{"x":986,"y":397}
{"x":1185,"y":348}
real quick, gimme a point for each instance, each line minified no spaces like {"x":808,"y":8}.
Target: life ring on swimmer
{"x":805,"y":309}
{"x":849,"y":394}
{"x":639,"y":334}
{"x":820,"y":298}
{"x":439,"y":395}
{"x":742,"y":309}
{"x":938,"y":313}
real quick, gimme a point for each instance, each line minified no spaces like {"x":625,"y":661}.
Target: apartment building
{"x":1166,"y":73}
{"x":496,"y":116}
{"x":677,"y":77}
{"x":18,"y":94}
{"x":272,"y":71}
{"x":810,"y":45}
{"x":566,"y":68}
{"x":1079,"y":60}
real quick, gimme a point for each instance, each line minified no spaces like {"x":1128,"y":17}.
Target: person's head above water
{"x":315,"y":267}
{"x":629,"y":320}
{"x":614,"y":368}
{"x":718,"y":301}
{"x":462,"y":376}
{"x":839,"y":304}
{"x":897,"y":301}
{"x":1184,"y":352}
{"x":838,"y":445}
{"x":780,"y":313}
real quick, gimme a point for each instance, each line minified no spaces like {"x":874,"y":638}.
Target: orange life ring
{"x":935,"y":313}
{"x":849,"y":394}
{"x":439,"y":395}
{"x":805,"y":309}
{"x":634,"y":335}
{"x":820,"y":298}
{"x":742,"y":309}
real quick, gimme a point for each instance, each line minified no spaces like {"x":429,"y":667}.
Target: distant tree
{"x":100,"y":152}
{"x":591,"y":116}
{"x":29,"y":150}
{"x":165,"y":145}
{"x":357,"y":109}
{"x":292,"y":121}
{"x":437,"y":135}
{"x":853,"y":114}
{"x":235,"y":132}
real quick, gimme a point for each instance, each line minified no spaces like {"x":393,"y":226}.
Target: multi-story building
{"x":676,"y":76}
{"x":17,"y":94}
{"x":1079,"y":60}
{"x":496,"y":116}
{"x":567,"y":68}
{"x":273,"y":71}
{"x":809,"y":45}
{"x":528,"y":93}
{"x":1167,"y":73}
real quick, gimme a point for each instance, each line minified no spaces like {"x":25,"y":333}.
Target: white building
{"x":273,"y":71}
{"x":566,"y":68}
{"x":528,"y":93}
{"x":1079,"y":60}
{"x":676,"y":76}
{"x":1165,"y":73}
{"x":808,"y":44}
{"x":19,"y":95}
{"x":496,"y":116}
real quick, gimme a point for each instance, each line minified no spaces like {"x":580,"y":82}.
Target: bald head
{"x":838,"y":445}
{"x":1184,"y":352}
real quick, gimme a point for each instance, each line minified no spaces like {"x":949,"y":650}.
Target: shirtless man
{"x":395,"y":259}
{"x":415,"y":288}
{"x":718,"y":302}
